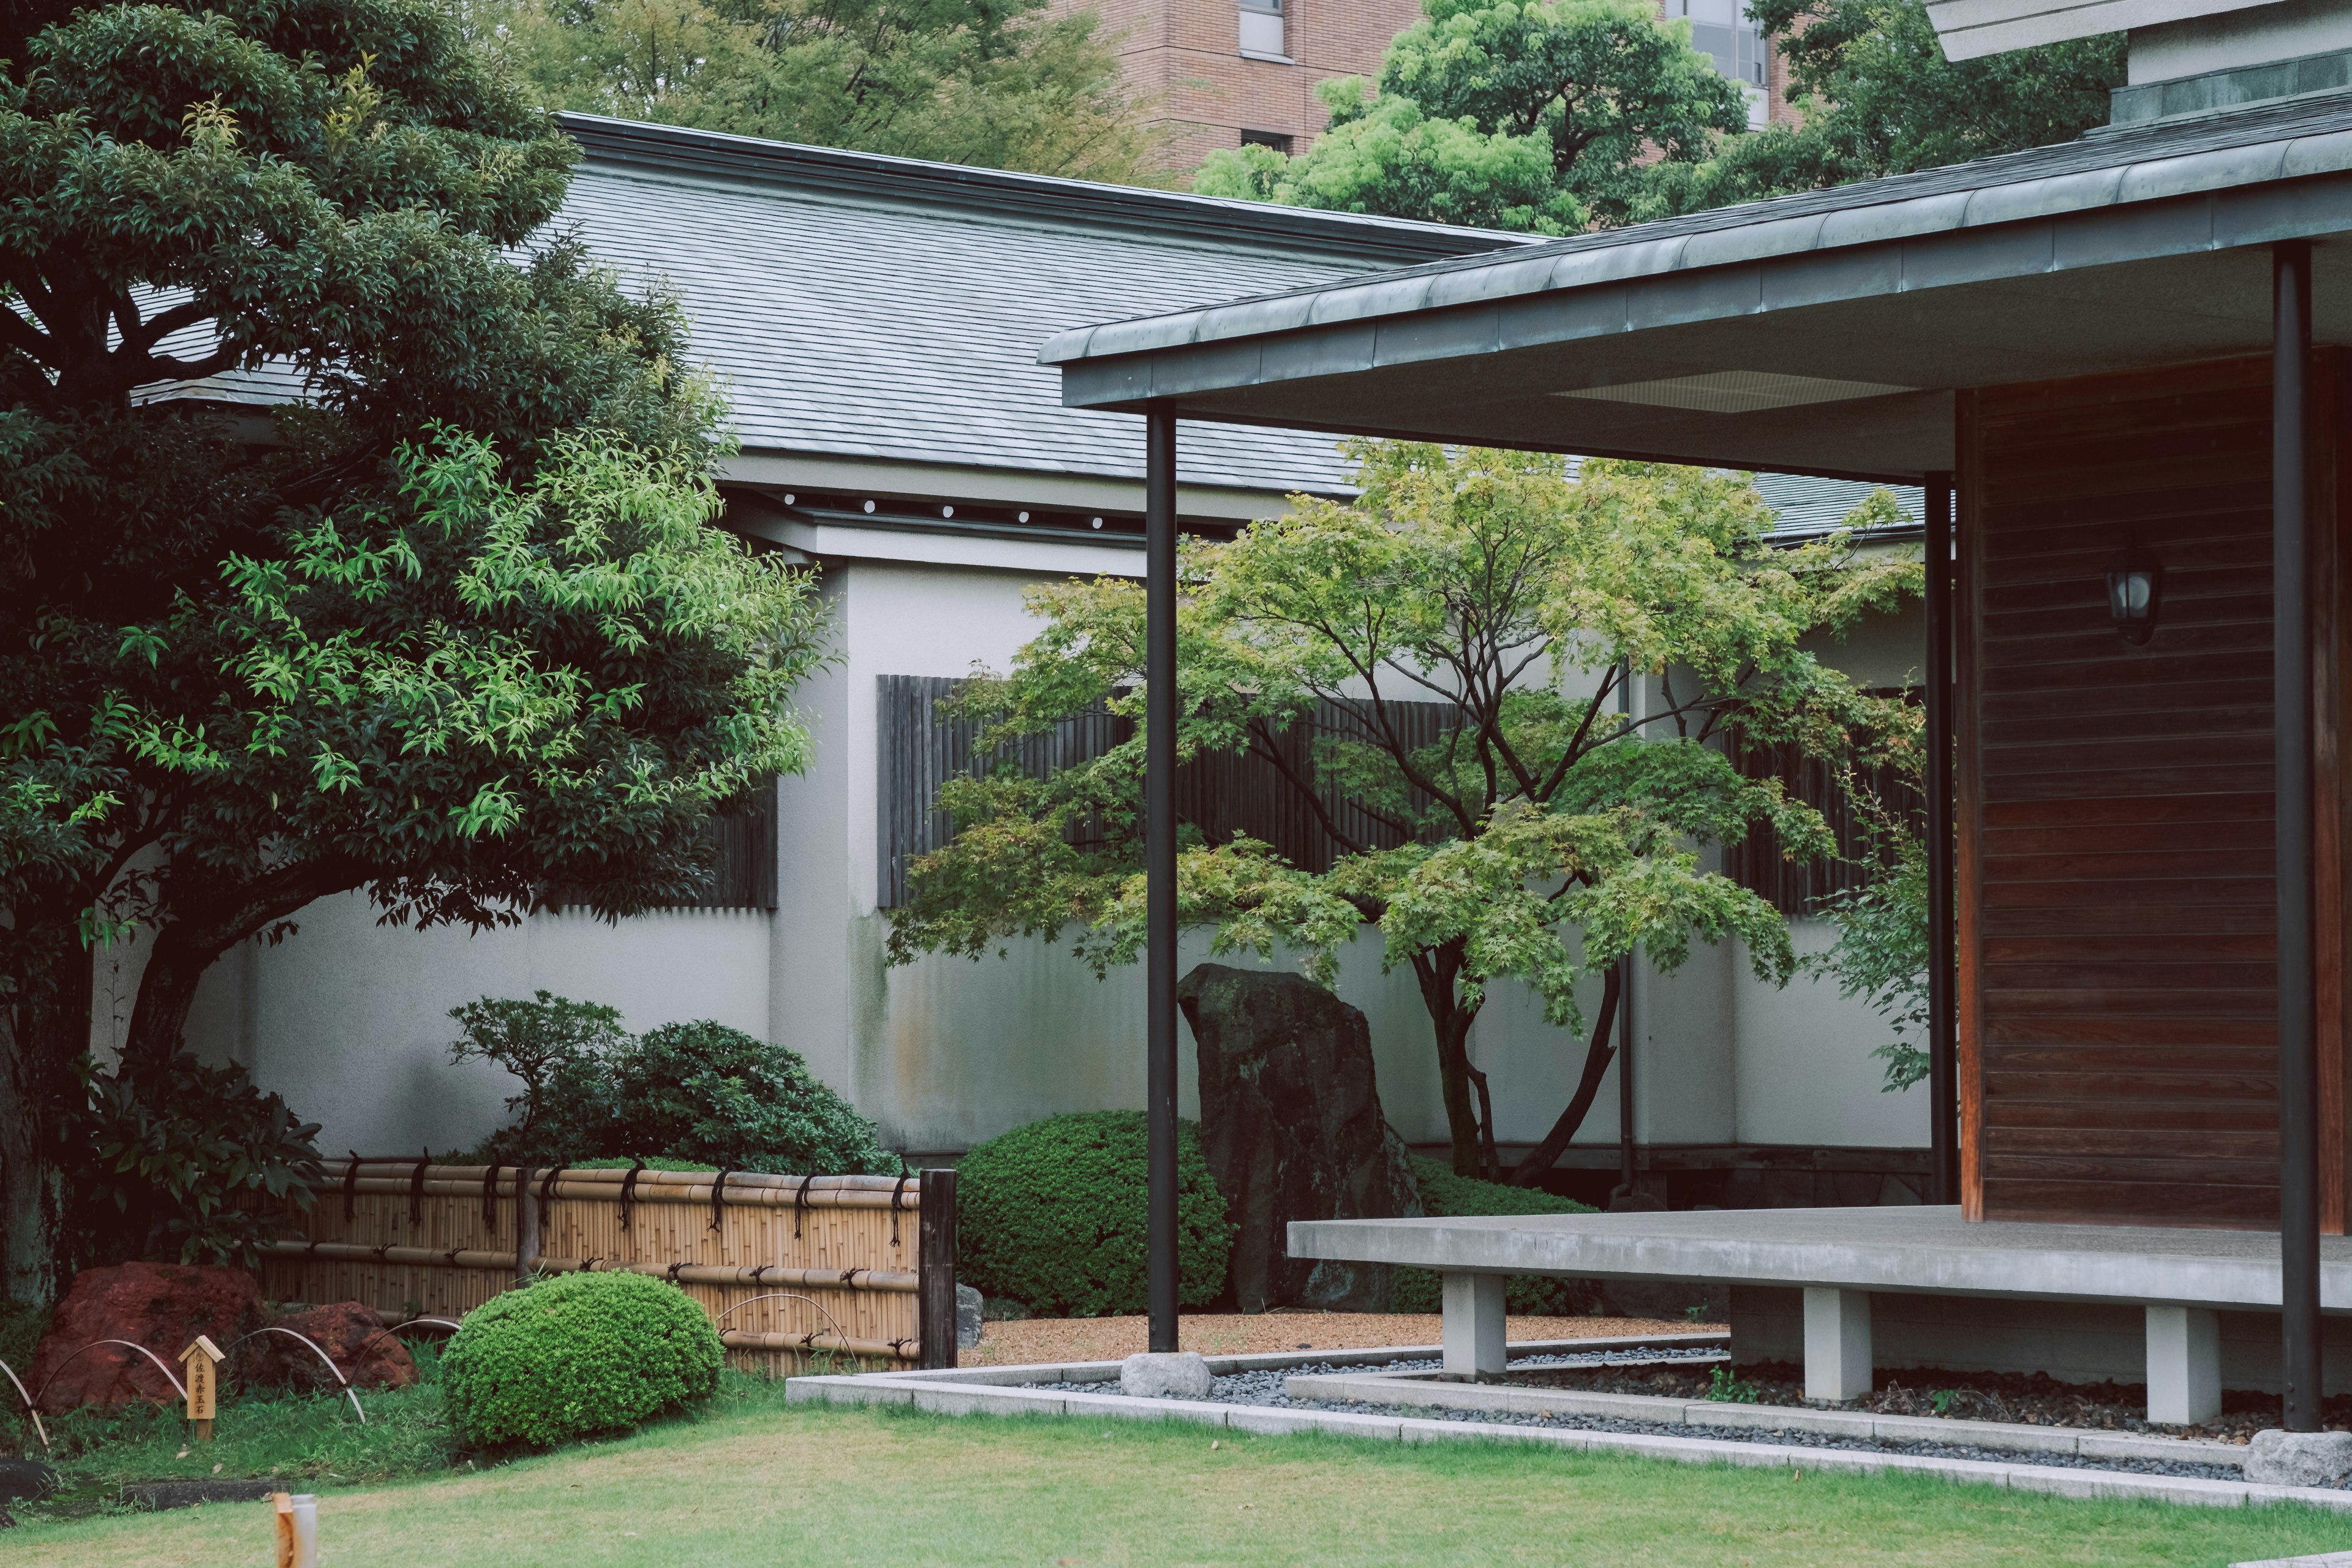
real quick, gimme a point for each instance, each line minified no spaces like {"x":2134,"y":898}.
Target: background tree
{"x":1550,"y":115}
{"x":1542,"y":838}
{"x":998,"y":83}
{"x":1879,"y":98}
{"x":426,"y":635}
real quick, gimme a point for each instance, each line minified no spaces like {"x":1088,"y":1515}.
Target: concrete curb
{"x":1277,"y":1361}
{"x":935,"y":1392}
{"x":2007,"y":1436}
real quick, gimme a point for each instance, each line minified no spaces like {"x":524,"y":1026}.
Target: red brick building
{"x":1227,"y":71}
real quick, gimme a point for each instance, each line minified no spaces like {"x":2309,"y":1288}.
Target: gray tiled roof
{"x":847,"y":323}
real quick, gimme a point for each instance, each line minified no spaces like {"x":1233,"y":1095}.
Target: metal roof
{"x":1821,"y":331}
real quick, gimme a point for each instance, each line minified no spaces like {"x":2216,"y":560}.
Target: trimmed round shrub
{"x":1052,"y":1214}
{"x":703,"y":1092}
{"x":576,"y":1355}
{"x":1444,"y":1192}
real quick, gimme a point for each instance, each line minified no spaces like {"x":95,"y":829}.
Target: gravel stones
{"x":2299,"y":1458}
{"x":1180,"y":1374}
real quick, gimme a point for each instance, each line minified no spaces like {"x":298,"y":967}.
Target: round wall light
{"x":2135,"y":591}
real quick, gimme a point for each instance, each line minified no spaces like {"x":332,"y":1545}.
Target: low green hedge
{"x":1052,"y":1214}
{"x":1444,"y":1192}
{"x":575,"y":1355}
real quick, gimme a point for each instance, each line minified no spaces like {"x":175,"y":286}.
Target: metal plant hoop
{"x":789,"y":1296}
{"x":170,"y":1376}
{"x":39,"y":1430}
{"x":349,"y":1392}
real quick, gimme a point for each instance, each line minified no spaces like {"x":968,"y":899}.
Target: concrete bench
{"x":2184,"y":1284}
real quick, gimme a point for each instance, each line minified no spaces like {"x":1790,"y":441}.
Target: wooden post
{"x":197,"y":1363}
{"x":526,"y":1227}
{"x":935,"y":1262}
{"x":1943,"y":1037}
{"x":1159,"y":871}
{"x":284,"y":1504}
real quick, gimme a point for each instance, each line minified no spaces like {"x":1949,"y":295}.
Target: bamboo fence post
{"x":936,"y":1289}
{"x":526,"y":1227}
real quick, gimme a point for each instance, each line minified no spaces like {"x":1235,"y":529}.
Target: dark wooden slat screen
{"x":744,"y":836}
{"x":1864,"y":852}
{"x":2118,"y":952}
{"x":1222,"y":794}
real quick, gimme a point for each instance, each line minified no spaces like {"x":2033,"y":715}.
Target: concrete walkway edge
{"x":963,"y":1393}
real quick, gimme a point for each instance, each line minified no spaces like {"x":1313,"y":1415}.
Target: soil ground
{"x":1026,"y":1340}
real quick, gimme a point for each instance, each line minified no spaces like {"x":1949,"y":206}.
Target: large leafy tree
{"x":454,"y":630}
{"x":1540,"y":837}
{"x":1879,"y":98}
{"x":1543,"y":115}
{"x":999,"y":83}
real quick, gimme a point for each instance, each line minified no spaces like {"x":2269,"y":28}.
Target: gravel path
{"x":1265,"y":1388}
{"x":1034,"y":1339}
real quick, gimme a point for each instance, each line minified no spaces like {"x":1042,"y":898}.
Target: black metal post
{"x":2298,"y":1058}
{"x":1159,"y":859}
{"x":1943,"y":958}
{"x":1625,"y":1161}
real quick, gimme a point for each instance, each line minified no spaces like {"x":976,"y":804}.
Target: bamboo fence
{"x":791,"y":1268}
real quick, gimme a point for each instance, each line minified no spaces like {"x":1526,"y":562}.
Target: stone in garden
{"x":969,"y":1307}
{"x":162,"y":1306}
{"x":1292,"y":1129}
{"x":1181,"y":1374}
{"x":2277,"y":1458}
{"x":26,"y":1481}
{"x":346,"y":1330}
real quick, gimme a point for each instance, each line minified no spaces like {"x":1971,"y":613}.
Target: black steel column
{"x":1943,"y":1021}
{"x":1160,"y":859}
{"x":2298,"y":1058}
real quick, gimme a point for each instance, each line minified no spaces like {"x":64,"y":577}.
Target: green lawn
{"x":756,"y":1484}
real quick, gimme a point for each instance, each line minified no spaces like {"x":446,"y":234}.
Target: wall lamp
{"x":2135,"y":588}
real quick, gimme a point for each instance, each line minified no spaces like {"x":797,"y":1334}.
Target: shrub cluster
{"x":576,"y":1355}
{"x":697,"y":1091}
{"x":1444,"y":1192}
{"x":1053,"y":1215}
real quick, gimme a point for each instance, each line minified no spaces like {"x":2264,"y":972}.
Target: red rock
{"x":162,"y":1306}
{"x":348,"y":1332}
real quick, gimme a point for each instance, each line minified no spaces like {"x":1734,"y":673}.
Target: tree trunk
{"x":44,"y":1030}
{"x":187,"y":946}
{"x":1597,"y":1057}
{"x":1436,"y":971}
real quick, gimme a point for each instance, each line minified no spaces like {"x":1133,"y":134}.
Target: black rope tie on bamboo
{"x":800,"y":1207}
{"x":719,"y":1196}
{"x":629,"y":1192}
{"x":490,"y":1201}
{"x":417,"y":1190}
{"x":849,"y":1277}
{"x":352,"y":1184}
{"x":897,"y":1194}
{"x":546,"y":1192}
{"x":673,"y":1271}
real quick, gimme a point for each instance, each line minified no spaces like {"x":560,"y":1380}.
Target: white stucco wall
{"x":349,"y":1020}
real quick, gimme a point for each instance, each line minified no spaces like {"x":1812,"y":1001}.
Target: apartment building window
{"x":1261,"y":30}
{"x":1724,"y":31}
{"x":1274,"y":139}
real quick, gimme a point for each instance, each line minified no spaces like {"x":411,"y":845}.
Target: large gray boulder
{"x":1291,"y":1124}
{"x":2276,"y":1458}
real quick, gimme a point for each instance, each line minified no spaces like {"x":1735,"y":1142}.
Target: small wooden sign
{"x":198,"y":1361}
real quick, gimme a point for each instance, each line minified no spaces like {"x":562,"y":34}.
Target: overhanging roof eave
{"x":2311,"y":206}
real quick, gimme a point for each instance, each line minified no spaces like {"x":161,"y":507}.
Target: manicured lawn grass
{"x":755,"y":1484}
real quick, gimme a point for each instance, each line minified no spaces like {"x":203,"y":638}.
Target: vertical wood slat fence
{"x":791,"y":1268}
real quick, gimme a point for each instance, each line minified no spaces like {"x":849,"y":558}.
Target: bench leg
{"x":1837,"y":1344}
{"x":2184,"y":1366}
{"x":1474,"y":1324}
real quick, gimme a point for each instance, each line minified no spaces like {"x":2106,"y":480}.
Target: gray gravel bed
{"x":1265,"y":1388}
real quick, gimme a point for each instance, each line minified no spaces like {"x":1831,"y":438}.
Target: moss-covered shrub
{"x":1053,"y":1215}
{"x":1444,"y":1192}
{"x":576,"y":1355}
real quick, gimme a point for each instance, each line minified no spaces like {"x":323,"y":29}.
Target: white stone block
{"x":1837,"y":1343}
{"x":2184,"y":1366}
{"x":1474,"y":1324}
